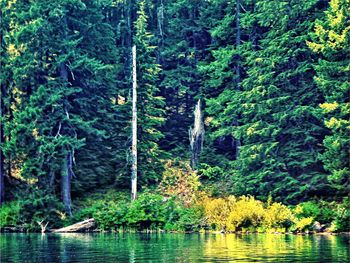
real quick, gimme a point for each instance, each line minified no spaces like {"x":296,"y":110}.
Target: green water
{"x":172,"y":248}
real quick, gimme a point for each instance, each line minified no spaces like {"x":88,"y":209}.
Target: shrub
{"x":217,"y":211}
{"x":327,"y":213}
{"x":190,"y":218}
{"x":85,"y":213}
{"x":246,"y":212}
{"x":10,"y":214}
{"x":302,"y":224}
{"x":307,"y":209}
{"x":210,"y":172}
{"x":231,"y":214}
{"x":147,"y":211}
{"x":179,"y":180}
{"x":111,"y":215}
{"x":341,"y":222}
{"x":40,"y":206}
{"x":277,"y":215}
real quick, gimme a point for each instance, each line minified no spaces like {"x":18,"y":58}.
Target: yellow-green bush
{"x":277,"y":216}
{"x":303,"y":224}
{"x":217,"y":211}
{"x":231,"y":214}
{"x":246,"y":212}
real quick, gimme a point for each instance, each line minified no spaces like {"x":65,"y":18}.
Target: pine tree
{"x":150,"y":103}
{"x":331,"y":41}
{"x":63,"y":88}
{"x":280,"y":132}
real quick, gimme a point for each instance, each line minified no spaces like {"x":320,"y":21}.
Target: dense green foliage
{"x":331,"y":41}
{"x":274,"y":80}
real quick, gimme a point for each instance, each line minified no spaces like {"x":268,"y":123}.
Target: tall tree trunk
{"x":134,"y":128}
{"x":2,"y":176}
{"x":66,"y":176}
{"x":2,"y":90}
{"x":196,"y":135}
{"x":238,"y":69}
{"x":67,"y":163}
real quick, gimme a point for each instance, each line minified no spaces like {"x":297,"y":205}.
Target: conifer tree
{"x":331,"y":41}
{"x":54,"y":110}
{"x":281,"y":134}
{"x":150,"y":103}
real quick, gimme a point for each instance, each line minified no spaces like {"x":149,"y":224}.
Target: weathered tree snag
{"x":196,"y":135}
{"x":134,"y":128}
{"x":82,"y":226}
{"x":42,"y":225}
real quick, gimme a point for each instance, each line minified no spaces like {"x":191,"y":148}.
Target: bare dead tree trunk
{"x":196,"y":135}
{"x":42,"y":225}
{"x":134,"y":128}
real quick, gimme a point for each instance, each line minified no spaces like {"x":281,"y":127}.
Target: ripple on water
{"x":172,"y":248}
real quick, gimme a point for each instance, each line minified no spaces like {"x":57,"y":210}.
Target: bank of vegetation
{"x":225,"y":115}
{"x":181,"y":207}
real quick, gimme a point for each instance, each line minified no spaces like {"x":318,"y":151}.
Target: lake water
{"x":172,"y":248}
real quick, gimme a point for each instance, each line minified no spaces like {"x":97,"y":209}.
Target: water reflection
{"x":278,"y":248}
{"x":134,"y":248}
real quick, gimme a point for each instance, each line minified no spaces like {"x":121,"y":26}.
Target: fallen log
{"x":82,"y":226}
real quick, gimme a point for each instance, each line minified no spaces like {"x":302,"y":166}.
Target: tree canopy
{"x":272,"y":78}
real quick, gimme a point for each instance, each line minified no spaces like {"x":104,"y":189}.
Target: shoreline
{"x":21,"y":230}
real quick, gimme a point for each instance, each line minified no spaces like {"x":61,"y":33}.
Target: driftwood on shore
{"x":83,"y":226}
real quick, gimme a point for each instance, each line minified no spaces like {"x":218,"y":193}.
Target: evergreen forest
{"x":242,"y":114}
